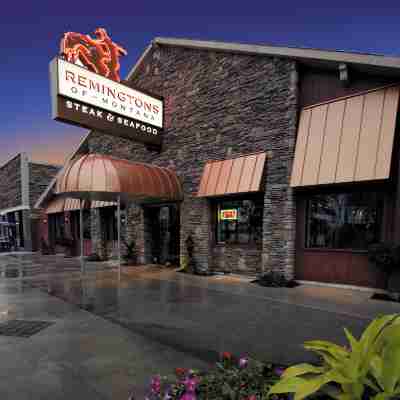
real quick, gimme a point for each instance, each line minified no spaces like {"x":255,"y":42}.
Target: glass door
{"x":164,"y":221}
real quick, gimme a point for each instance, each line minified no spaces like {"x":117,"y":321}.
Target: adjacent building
{"x":22,"y":181}
{"x":287,"y":160}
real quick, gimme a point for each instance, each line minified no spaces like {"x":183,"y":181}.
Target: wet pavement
{"x":203,"y":317}
{"x":80,"y":356}
{"x":111,"y":335}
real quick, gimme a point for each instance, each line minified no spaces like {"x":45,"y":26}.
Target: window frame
{"x":384,"y":224}
{"x":215,"y":207}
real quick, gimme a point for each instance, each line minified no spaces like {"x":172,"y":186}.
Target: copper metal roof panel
{"x":237,"y":175}
{"x":72,"y":204}
{"x":101,"y":177}
{"x":258,"y":172}
{"x":346,"y":140}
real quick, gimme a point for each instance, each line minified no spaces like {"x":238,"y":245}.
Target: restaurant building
{"x":285,"y":159}
{"x":22,"y":181}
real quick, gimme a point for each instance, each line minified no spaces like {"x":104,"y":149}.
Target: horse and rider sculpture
{"x":100,"y":54}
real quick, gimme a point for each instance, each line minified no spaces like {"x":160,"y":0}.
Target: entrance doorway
{"x":164,"y":229}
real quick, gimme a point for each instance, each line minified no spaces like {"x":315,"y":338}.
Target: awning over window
{"x":72,"y":204}
{"x":101,"y":177}
{"x":346,"y":140}
{"x":100,"y":204}
{"x":237,"y":175}
{"x":62,"y":204}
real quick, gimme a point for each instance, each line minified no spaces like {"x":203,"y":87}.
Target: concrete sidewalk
{"x":154,"y":320}
{"x":205,"y":316}
{"x":81,"y":356}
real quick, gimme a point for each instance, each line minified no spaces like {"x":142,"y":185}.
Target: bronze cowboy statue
{"x":100,"y":54}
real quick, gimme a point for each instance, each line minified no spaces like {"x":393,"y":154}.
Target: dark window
{"x":239,"y":221}
{"x":344,"y":220}
{"x":75,"y":224}
{"x":59,"y":226}
{"x":86,"y":224}
{"x":109,"y":223}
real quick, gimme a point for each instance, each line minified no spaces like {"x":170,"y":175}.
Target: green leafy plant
{"x":184,"y":263}
{"x":371,"y":363}
{"x":385,"y":365}
{"x":131,"y":254}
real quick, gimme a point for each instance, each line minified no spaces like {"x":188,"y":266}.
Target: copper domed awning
{"x":101,"y":177}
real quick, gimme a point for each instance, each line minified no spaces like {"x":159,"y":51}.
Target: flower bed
{"x":369,"y":368}
{"x":231,"y":378}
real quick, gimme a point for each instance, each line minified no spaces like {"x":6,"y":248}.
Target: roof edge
{"x":46,"y":164}
{"x":11,"y":158}
{"x":139,"y":62}
{"x":285,"y":52}
{"x":349,"y":96}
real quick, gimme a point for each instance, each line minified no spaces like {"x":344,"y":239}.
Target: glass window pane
{"x":344,"y":220}
{"x":239,"y":221}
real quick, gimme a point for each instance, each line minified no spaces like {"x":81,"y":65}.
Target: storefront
{"x":286,"y":158}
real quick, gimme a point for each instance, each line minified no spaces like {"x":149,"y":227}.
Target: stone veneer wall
{"x":40,"y":176}
{"x":221,"y":105}
{"x":10,"y":184}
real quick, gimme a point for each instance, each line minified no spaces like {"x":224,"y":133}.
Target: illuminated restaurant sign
{"x":229,"y":215}
{"x":92,"y":100}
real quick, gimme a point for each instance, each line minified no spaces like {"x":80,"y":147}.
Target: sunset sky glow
{"x":32,"y":30}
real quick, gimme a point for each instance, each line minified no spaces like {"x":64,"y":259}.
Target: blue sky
{"x":31,"y":31}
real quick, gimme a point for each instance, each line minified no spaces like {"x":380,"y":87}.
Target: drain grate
{"x":22,"y":328}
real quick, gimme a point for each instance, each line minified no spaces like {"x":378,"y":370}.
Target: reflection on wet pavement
{"x":102,"y":294}
{"x":152,"y":320}
{"x":196,"y":318}
{"x":204,"y":316}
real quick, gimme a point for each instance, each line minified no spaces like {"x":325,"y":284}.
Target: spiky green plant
{"x":373,"y":361}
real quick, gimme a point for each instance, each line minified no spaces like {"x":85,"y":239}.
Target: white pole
{"x":81,"y":233}
{"x":119,"y":235}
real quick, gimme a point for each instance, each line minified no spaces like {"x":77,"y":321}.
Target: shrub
{"x":275,"y":279}
{"x":384,"y":255}
{"x":370,"y":366}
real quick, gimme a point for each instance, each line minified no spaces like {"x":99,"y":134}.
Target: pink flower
{"x":190,"y":384}
{"x":155,"y":384}
{"x":188,"y":396}
{"x":243,"y":362}
{"x":252,"y":397}
{"x":190,"y":389}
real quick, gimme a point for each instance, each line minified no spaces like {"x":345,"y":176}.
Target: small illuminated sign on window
{"x":231,"y":214}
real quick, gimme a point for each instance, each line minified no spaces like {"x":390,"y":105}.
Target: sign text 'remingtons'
{"x":90,"y":100}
